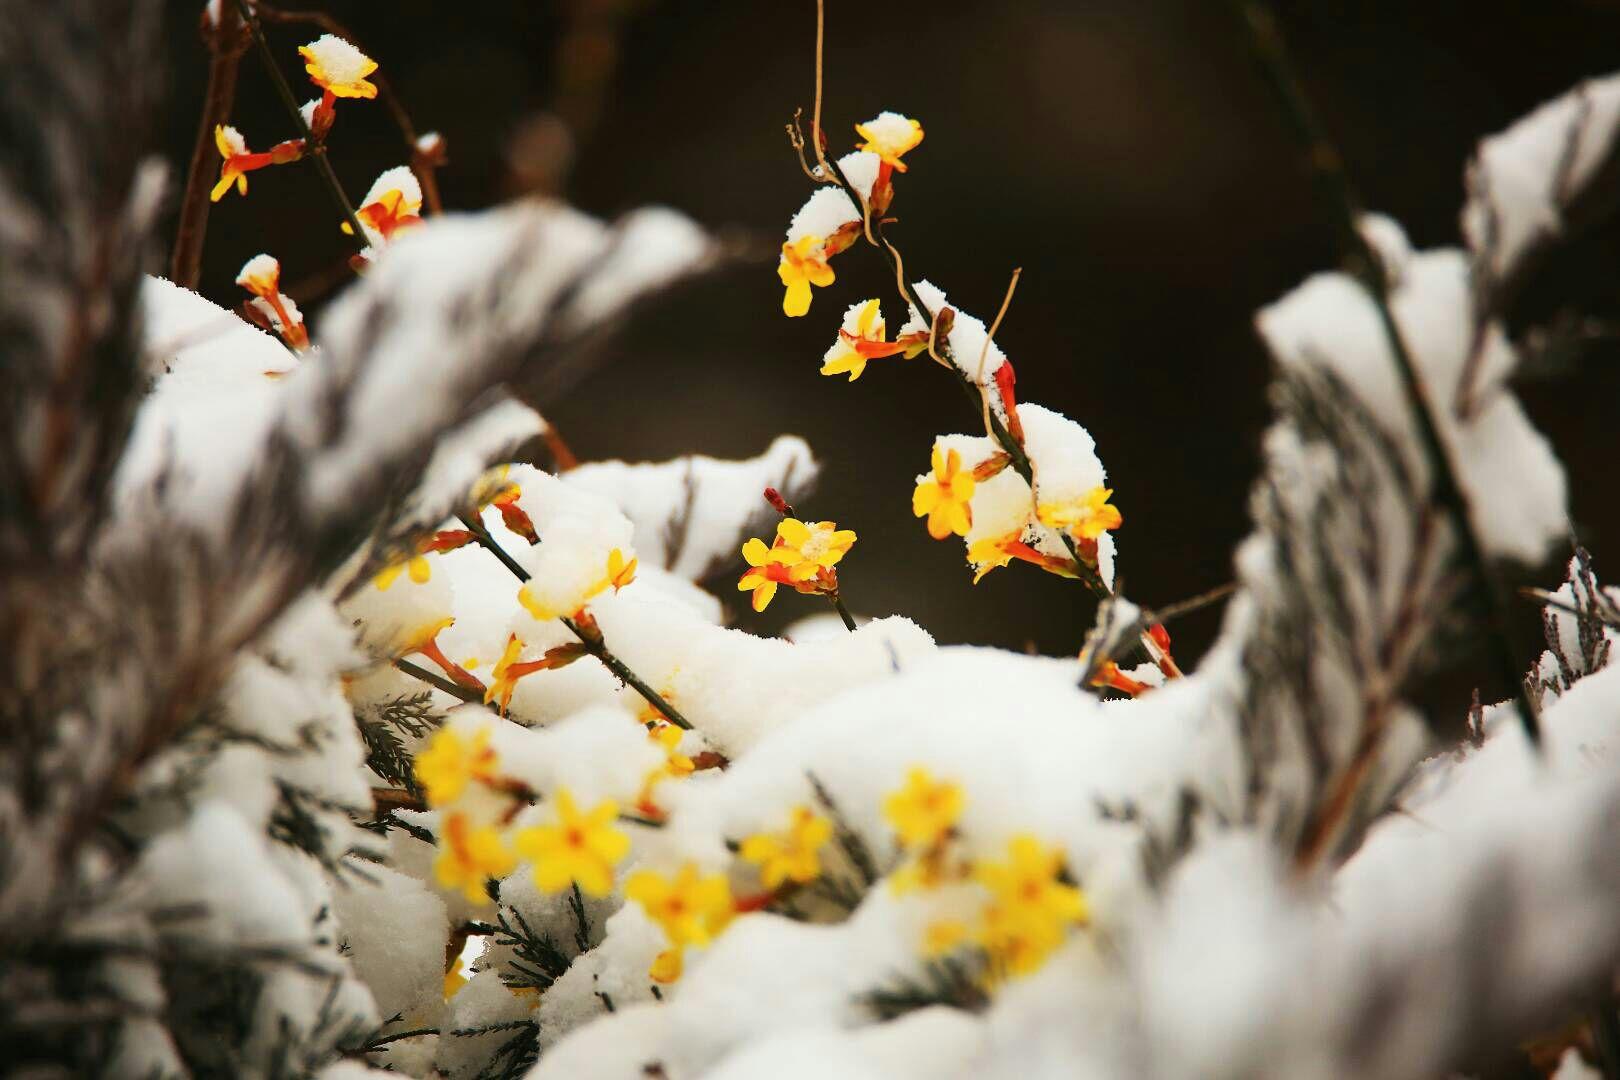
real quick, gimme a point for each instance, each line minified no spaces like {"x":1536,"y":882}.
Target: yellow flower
{"x":667,"y":966}
{"x":690,"y":909}
{"x":804,"y":263}
{"x":1014,"y":944}
{"x":454,"y":980}
{"x":991,"y":553}
{"x":770,"y":567}
{"x":820,"y":543}
{"x":338,"y":68}
{"x":261,"y":276}
{"x":581,"y":848}
{"x":449,"y":763}
{"x":943,"y":497}
{"x":533,"y":606}
{"x":1027,"y":889}
{"x":942,"y":936}
{"x":791,"y":856}
{"x":619,"y":572}
{"x":924,"y":811}
{"x":890,"y":136}
{"x":469,"y":856}
{"x":1087,"y":518}
{"x":421,"y":571}
{"x":864,"y":341}
{"x":669,"y":737}
{"x":508,"y":670}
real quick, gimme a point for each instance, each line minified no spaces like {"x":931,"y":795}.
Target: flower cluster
{"x":460,"y":778}
{"x":829,"y":223}
{"x":339,"y":69}
{"x":1027,"y":904}
{"x":802,"y":556}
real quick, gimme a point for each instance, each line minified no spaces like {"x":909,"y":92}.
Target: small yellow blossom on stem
{"x":388,"y":208}
{"x":426,"y":641}
{"x":667,"y":965}
{"x":790,"y":856}
{"x":925,"y":811}
{"x":819,"y":543}
{"x":261,"y":276}
{"x":509,"y":669}
{"x":804,"y":263}
{"x":770,"y":567}
{"x":1031,"y":907}
{"x":338,"y":68}
{"x":619,"y":572}
{"x":890,"y":136}
{"x":450,"y":762}
{"x":454,"y":980}
{"x":691,"y":909}
{"x":1087,"y":518}
{"x":580,"y":849}
{"x":943,"y":936}
{"x":668,"y":736}
{"x":865,"y":342}
{"x":997,"y":551}
{"x":992,"y":553}
{"x":239,"y":160}
{"x":390,"y":213}
{"x":469,"y":856}
{"x":421,"y":571}
{"x":943,"y":497}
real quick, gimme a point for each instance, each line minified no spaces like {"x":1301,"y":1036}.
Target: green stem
{"x":1339,"y":197}
{"x":315,"y":151}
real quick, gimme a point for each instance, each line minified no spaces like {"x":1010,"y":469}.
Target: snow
{"x":827,"y":210}
{"x":342,"y":62}
{"x":1523,"y":179}
{"x":211,"y":405}
{"x":967,"y":339}
{"x":692,"y":514}
{"x":400,"y":178}
{"x":1514,"y":483}
{"x":395,"y":931}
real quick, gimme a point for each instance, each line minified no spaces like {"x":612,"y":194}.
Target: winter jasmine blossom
{"x":580,"y":849}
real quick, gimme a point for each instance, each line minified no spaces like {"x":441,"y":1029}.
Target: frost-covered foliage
{"x":343,"y":737}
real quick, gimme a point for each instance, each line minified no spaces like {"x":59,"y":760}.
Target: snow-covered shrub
{"x":340,"y":736}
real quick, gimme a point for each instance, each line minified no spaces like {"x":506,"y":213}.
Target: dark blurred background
{"x":1125,"y":153}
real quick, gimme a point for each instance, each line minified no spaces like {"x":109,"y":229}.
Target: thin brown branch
{"x":439,"y":682}
{"x":226,"y":41}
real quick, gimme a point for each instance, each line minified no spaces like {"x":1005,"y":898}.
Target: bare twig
{"x":227,"y":39}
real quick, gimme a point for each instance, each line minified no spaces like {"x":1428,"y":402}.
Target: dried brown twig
{"x":226,"y":39}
